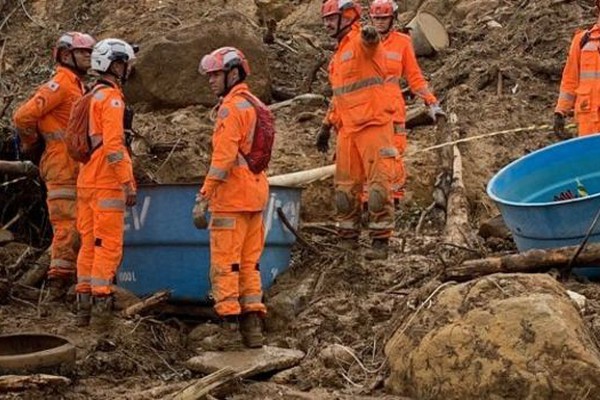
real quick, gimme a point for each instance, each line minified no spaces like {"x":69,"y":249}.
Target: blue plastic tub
{"x":163,"y":249}
{"x":524,"y":192}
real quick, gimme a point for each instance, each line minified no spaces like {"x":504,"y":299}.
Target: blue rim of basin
{"x":524,"y":159}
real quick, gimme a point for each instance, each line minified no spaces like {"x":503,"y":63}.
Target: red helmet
{"x":224,"y":59}
{"x":383,"y":8}
{"x":340,"y":7}
{"x":72,"y":41}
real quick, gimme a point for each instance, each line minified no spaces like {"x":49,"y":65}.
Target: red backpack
{"x":77,"y":138}
{"x":264,"y":135}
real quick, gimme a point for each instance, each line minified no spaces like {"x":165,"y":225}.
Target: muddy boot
{"x":225,"y":337}
{"x":57,"y":288}
{"x":379,"y":250}
{"x":84,"y":309}
{"x":251,"y":330}
{"x":102,"y":311}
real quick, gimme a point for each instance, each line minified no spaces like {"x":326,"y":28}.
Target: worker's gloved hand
{"x":369,"y":34}
{"x":323,"y":138}
{"x":199,"y":212}
{"x":435,"y":111}
{"x":559,"y":126}
{"x":130,"y":194}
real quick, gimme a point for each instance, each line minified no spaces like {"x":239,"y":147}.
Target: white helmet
{"x":108,"y":50}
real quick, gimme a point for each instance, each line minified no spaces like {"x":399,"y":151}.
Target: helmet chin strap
{"x":228,"y":87}
{"x":339,"y":29}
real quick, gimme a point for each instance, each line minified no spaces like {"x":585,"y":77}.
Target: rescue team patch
{"x":53,"y":86}
{"x":116,"y":103}
{"x":223,"y":113}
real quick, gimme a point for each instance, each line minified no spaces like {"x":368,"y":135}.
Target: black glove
{"x":559,"y":126}
{"x":199,"y":212}
{"x":323,"y":138}
{"x":369,"y":34}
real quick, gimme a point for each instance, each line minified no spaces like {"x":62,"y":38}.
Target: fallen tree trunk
{"x":147,"y":304}
{"x":301,"y":178}
{"x":203,"y":386}
{"x":14,"y":383}
{"x":457,"y":229}
{"x":417,"y":116}
{"x":18,"y":167}
{"x":530,"y":261}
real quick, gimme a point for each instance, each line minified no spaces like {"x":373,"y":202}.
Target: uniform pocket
{"x":583,"y":102}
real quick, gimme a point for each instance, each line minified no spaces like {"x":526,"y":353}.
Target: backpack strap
{"x":95,"y":144}
{"x":585,"y":38}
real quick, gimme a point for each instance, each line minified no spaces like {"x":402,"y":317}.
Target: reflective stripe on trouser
{"x":365,"y":156}
{"x":236,"y":243}
{"x":100,"y":220}
{"x":65,"y":240}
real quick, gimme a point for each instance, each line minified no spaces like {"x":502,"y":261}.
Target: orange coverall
{"x":401,"y":62}
{"x":365,"y":150}
{"x":46,"y":114}
{"x":237,"y":198}
{"x":101,"y":195}
{"x":580,"y":85}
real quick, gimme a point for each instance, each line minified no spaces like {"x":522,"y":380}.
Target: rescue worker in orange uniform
{"x":365,"y":151}
{"x":401,"y":62}
{"x":106,"y":184}
{"x":236,"y":197}
{"x":580,"y":85}
{"x":42,"y":120}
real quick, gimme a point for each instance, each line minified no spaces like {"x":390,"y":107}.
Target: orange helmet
{"x":383,"y":8}
{"x":340,"y":7}
{"x":72,"y":41}
{"x":224,"y":59}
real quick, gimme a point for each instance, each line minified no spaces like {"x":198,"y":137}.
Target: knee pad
{"x":377,"y":199}
{"x":344,"y":202}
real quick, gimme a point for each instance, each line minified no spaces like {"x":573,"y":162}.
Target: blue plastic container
{"x":524,"y":192}
{"x":163,"y":249}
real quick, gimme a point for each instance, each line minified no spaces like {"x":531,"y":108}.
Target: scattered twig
{"x":12,"y":221}
{"x":422,"y":218}
{"x":5,"y":20}
{"x":29,"y":15}
{"x":427,"y":300}
{"x":300,"y":238}
{"x":285,"y":46}
{"x":147,"y":304}
{"x":168,"y":157}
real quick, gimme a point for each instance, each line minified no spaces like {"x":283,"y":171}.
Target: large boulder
{"x":506,"y":336}
{"x":166,"y":72}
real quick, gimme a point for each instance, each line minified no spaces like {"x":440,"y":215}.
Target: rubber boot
{"x":227,"y":337}
{"x":379,"y":250}
{"x":57,"y":288}
{"x":251,"y":330}
{"x":84,"y":309}
{"x":102,"y":311}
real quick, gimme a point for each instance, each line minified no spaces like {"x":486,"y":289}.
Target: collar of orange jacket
{"x":354,"y":30}
{"x":239,"y":88}
{"x":68,"y":72}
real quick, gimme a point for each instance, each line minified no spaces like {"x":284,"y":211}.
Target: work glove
{"x":199,"y":212}
{"x":130,"y":194}
{"x":369,"y":34}
{"x":436,"y":111}
{"x":323,"y":138}
{"x":559,"y":126}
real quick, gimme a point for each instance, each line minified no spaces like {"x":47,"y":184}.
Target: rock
{"x":513,"y":336}
{"x":495,"y":227}
{"x":287,"y":376}
{"x":6,"y":236}
{"x":252,"y":361}
{"x":177,"y":83}
{"x":274,"y":9}
{"x":336,"y":355}
{"x":579,"y":300}
{"x":493,"y":24}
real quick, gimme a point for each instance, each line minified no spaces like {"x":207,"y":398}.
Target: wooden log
{"x":529,"y":261}
{"x":417,"y":116}
{"x":202,"y":387}
{"x":296,"y":179}
{"x":18,"y":167}
{"x":457,"y":230}
{"x":159,"y":392}
{"x":37,"y":272}
{"x":15,"y":383}
{"x":308,"y":98}
{"x":147,"y":304}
